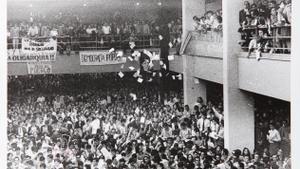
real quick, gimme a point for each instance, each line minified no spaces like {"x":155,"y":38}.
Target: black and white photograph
{"x":149,"y":84}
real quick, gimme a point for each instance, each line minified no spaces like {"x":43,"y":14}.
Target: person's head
{"x":271,"y":126}
{"x":186,"y":108}
{"x":246,"y":151}
{"x":122,"y":162}
{"x":282,"y":4}
{"x":271,"y":4}
{"x":260,"y":33}
{"x":200,"y":100}
{"x":246,"y":5}
{"x":275,"y":157}
{"x":190,"y":158}
{"x":273,"y":11}
{"x":209,"y":14}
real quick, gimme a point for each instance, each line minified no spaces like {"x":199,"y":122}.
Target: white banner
{"x":39,"y":68}
{"x":100,"y":58}
{"x":34,"y":51}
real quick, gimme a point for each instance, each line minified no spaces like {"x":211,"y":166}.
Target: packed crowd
{"x":106,"y":30}
{"x":77,"y":29}
{"x":272,"y":114}
{"x":99,"y":121}
{"x":210,"y":21}
{"x":265,"y":26}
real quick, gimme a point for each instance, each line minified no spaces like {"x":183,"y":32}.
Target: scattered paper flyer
{"x":132,"y":45}
{"x":170,"y":45}
{"x":161,"y":63}
{"x":122,"y":66}
{"x":136,"y":74}
{"x":155,"y":56}
{"x":164,"y":66}
{"x":153,"y":74}
{"x":133,"y":96}
{"x":131,"y":68}
{"x":173,"y":77}
{"x":130,"y":58}
{"x":120,"y":54}
{"x":160,"y":37}
{"x":160,"y":75}
{"x":140,"y":80}
{"x":171,"y":57}
{"x":111,"y":50}
{"x":150,"y":80}
{"x":121,"y":74}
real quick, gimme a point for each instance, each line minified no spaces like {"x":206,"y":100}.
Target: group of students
{"x":210,"y":21}
{"x":265,"y":26}
{"x":103,"y":29}
{"x":100,"y":121}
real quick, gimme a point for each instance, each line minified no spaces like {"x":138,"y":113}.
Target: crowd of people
{"x":272,"y":127}
{"x":210,"y":21}
{"x":266,"y":26}
{"x":109,"y":30}
{"x":101,"y":121}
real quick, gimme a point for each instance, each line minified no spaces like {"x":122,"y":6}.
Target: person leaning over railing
{"x":263,"y":15}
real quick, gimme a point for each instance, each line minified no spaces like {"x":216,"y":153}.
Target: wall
{"x":213,"y":5}
{"x":268,"y":77}
{"x":71,"y":64}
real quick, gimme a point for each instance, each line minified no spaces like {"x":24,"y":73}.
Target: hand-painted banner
{"x":34,"y":51}
{"x":100,"y":58}
{"x":39,"y":68}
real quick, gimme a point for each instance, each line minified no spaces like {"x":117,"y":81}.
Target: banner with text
{"x":34,"y":51}
{"x":39,"y":68}
{"x":100,"y":58}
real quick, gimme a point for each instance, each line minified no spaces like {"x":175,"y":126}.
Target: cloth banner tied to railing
{"x":39,"y":68}
{"x":34,"y":51}
{"x":102,"y":57}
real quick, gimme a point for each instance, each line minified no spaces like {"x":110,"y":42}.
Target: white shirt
{"x":106,"y":29}
{"x":200,"y":124}
{"x":95,"y":125}
{"x":273,"y":136}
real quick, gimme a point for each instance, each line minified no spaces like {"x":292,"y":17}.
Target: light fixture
{"x":137,"y":4}
{"x":84,"y":4}
{"x":30,"y":5}
{"x":159,"y":3}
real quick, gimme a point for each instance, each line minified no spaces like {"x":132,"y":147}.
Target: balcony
{"x":203,"y":52}
{"x":67,"y":59}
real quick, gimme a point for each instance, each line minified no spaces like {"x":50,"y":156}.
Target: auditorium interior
{"x":166,"y":51}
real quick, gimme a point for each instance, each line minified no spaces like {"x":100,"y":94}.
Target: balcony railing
{"x":80,"y":43}
{"x":278,"y":41}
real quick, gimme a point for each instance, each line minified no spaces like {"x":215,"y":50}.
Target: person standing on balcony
{"x":287,"y":11}
{"x":32,"y":31}
{"x":244,"y":12}
{"x":146,"y":28}
{"x":15,"y":34}
{"x":106,"y":29}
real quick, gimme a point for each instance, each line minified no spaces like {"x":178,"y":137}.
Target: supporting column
{"x":238,"y":105}
{"x":192,"y":89}
{"x":190,"y":8}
